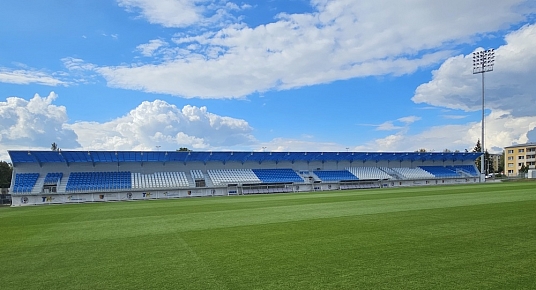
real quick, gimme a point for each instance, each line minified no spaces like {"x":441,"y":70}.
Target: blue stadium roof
{"x":40,"y":157}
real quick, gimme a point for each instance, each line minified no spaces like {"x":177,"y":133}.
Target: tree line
{"x":6,"y":170}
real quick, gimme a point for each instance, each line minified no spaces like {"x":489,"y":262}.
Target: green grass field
{"x":443,"y":237}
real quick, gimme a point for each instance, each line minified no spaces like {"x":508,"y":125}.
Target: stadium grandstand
{"x":47,"y":177}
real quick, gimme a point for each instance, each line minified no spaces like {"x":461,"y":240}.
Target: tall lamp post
{"x":483,"y":62}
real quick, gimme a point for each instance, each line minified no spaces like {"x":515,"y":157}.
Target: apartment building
{"x":495,"y":161}
{"x":517,"y":156}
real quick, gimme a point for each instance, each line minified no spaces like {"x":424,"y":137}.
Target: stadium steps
{"x":38,"y":187}
{"x":208,"y":180}
{"x":393,"y":173}
{"x":62,"y":185}
{"x":313,"y":175}
{"x":190,"y":179}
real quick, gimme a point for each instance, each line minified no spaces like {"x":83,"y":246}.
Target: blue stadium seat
{"x":277,"y":175}
{"x":468,"y":169}
{"x":24,"y":182}
{"x":335,"y":175}
{"x":441,"y":171}
{"x":98,"y":181}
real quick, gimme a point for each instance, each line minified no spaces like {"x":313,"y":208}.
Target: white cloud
{"x":454,"y":117}
{"x":182,"y":13}
{"x":390,"y":125}
{"x":510,"y":87}
{"x":25,"y":77}
{"x":409,"y":119}
{"x":148,"y":49}
{"x":77,"y":64}
{"x":502,"y":130}
{"x":387,"y":126}
{"x":343,"y":39}
{"x":169,"y":13}
{"x":510,"y":94}
{"x":36,"y":123}
{"x":161,"y":124}
{"x":300,"y":145}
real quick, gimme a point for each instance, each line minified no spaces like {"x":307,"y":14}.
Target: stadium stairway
{"x":62,"y":186}
{"x":190,"y":179}
{"x":313,"y":175}
{"x":38,"y":187}
{"x":393,"y":173}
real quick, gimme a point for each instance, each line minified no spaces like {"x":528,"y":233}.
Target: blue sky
{"x":278,"y":75}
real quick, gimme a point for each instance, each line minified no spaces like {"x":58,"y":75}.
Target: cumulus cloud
{"x":502,"y":129}
{"x":36,"y":123}
{"x":510,"y":87}
{"x":510,"y":94}
{"x":341,"y":39}
{"x":159,"y":123}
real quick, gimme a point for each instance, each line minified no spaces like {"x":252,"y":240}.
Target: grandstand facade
{"x":48,"y":177}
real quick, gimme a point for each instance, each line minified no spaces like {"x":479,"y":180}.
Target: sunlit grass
{"x":443,"y":237}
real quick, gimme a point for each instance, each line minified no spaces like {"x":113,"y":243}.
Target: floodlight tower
{"x":483,"y":62}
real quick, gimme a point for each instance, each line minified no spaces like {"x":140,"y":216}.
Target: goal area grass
{"x":480,"y":236}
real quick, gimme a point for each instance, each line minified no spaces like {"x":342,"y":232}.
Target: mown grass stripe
{"x":448,"y":237}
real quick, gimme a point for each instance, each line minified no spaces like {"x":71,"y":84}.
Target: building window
{"x":510,"y":164}
{"x":511,"y":151}
{"x":510,"y":172}
{"x":521,"y":150}
{"x":510,"y":157}
{"x":520,"y":157}
{"x":520,"y":164}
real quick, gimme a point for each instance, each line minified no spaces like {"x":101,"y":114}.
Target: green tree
{"x":477,"y":148}
{"x":54,"y":147}
{"x":500,"y":166}
{"x":488,"y":162}
{"x":524,"y":169}
{"x":184,"y":149}
{"x":6,"y":170}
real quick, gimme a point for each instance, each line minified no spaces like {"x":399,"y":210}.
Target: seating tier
{"x":372,"y":173}
{"x":98,"y":181}
{"x":232,"y":176}
{"x":24,"y":182}
{"x":277,"y":175}
{"x":335,"y":175}
{"x":160,"y":180}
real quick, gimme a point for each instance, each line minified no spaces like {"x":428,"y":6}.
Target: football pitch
{"x":479,"y":236}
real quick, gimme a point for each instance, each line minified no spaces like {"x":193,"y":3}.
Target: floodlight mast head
{"x":483,"y":61}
